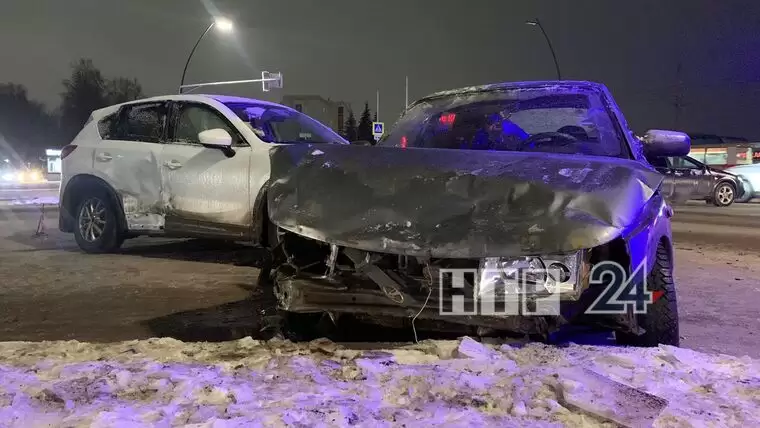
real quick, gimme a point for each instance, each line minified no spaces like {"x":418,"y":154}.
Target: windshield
{"x":525,"y":120}
{"x":275,"y":124}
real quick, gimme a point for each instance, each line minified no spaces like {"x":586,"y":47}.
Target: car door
{"x":127,"y":159}
{"x":207,"y":190}
{"x":690,"y":178}
{"x":706,"y":180}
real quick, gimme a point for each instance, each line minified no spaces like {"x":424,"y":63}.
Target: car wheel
{"x":96,"y":229}
{"x":723,"y":195}
{"x":661,"y":320}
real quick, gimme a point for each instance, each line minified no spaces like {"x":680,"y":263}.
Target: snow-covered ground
{"x":164,"y":382}
{"x":44,"y":200}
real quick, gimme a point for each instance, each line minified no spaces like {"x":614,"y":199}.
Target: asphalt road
{"x":191,"y":290}
{"x":734,"y":228}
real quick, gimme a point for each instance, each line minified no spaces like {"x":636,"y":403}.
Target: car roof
{"x":203,"y":98}
{"x":538,"y":84}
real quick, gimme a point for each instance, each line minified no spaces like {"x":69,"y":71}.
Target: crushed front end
{"x":493,"y":241}
{"x":524,"y":295}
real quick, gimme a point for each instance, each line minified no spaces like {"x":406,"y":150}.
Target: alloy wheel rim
{"x":92,"y":219}
{"x":725,"y":194}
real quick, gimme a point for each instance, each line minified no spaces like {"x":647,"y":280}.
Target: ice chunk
{"x":607,"y":399}
{"x":470,"y":348}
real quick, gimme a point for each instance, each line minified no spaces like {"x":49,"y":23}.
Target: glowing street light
{"x":223,"y":25}
{"x":537,"y":23}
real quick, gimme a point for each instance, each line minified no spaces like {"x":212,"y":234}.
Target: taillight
{"x":403,"y":142}
{"x":67,"y":150}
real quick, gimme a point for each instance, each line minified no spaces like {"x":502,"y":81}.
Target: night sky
{"x":348,"y":49}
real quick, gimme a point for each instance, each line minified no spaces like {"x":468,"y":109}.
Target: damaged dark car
{"x":477,"y":199}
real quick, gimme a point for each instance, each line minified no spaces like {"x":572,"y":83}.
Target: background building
{"x":331,"y":113}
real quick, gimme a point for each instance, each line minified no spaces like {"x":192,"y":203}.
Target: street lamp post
{"x":223,"y":25}
{"x":537,"y":23}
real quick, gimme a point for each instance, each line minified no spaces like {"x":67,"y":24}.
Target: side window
{"x":105,"y":125}
{"x":658,"y":162}
{"x":192,"y":119}
{"x":143,"y":122}
{"x":684,"y":163}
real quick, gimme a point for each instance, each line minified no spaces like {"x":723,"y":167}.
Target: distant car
{"x":193,"y":166}
{"x":749,"y":175}
{"x":689,"y":179}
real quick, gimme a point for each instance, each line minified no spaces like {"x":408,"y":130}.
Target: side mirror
{"x":658,"y":142}
{"x":217,"y":138}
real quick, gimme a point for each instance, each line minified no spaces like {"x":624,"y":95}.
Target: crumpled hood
{"x":454,"y":203}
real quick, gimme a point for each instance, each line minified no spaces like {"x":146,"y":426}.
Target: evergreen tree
{"x":121,"y":90}
{"x":26,"y":127}
{"x":365,"y":125}
{"x":87,"y":90}
{"x":84,"y":92}
{"x":351,"y":133}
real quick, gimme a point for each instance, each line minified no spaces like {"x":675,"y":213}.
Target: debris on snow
{"x":165,"y":382}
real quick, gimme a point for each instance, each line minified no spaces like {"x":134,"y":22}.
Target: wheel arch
{"x":260,"y":215}
{"x":726,"y":180}
{"x":72,"y":195}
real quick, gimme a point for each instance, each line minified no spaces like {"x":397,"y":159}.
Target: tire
{"x":109,"y":239}
{"x":661,"y":320}
{"x":723,"y":194}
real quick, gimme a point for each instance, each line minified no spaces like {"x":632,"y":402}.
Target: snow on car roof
{"x":539,"y":84}
{"x":202,"y":98}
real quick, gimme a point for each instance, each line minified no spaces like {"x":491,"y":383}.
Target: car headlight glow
{"x":502,"y":278}
{"x":30,"y":176}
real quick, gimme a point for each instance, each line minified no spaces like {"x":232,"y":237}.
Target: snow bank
{"x":38,"y":201}
{"x":44,"y":200}
{"x":164,"y":382}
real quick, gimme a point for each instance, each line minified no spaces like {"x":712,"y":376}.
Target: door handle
{"x":173,"y":164}
{"x":103,"y":157}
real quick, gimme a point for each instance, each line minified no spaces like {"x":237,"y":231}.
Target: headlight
{"x":9,"y":176}
{"x":503,"y":278}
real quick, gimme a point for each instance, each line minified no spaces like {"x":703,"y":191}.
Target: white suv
{"x":178,"y":165}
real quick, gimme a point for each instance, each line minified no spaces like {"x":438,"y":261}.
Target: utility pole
{"x":406,"y":92}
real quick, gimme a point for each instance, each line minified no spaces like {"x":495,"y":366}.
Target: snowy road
{"x":196,"y":292}
{"x":27,"y":193}
{"x":187,"y":290}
